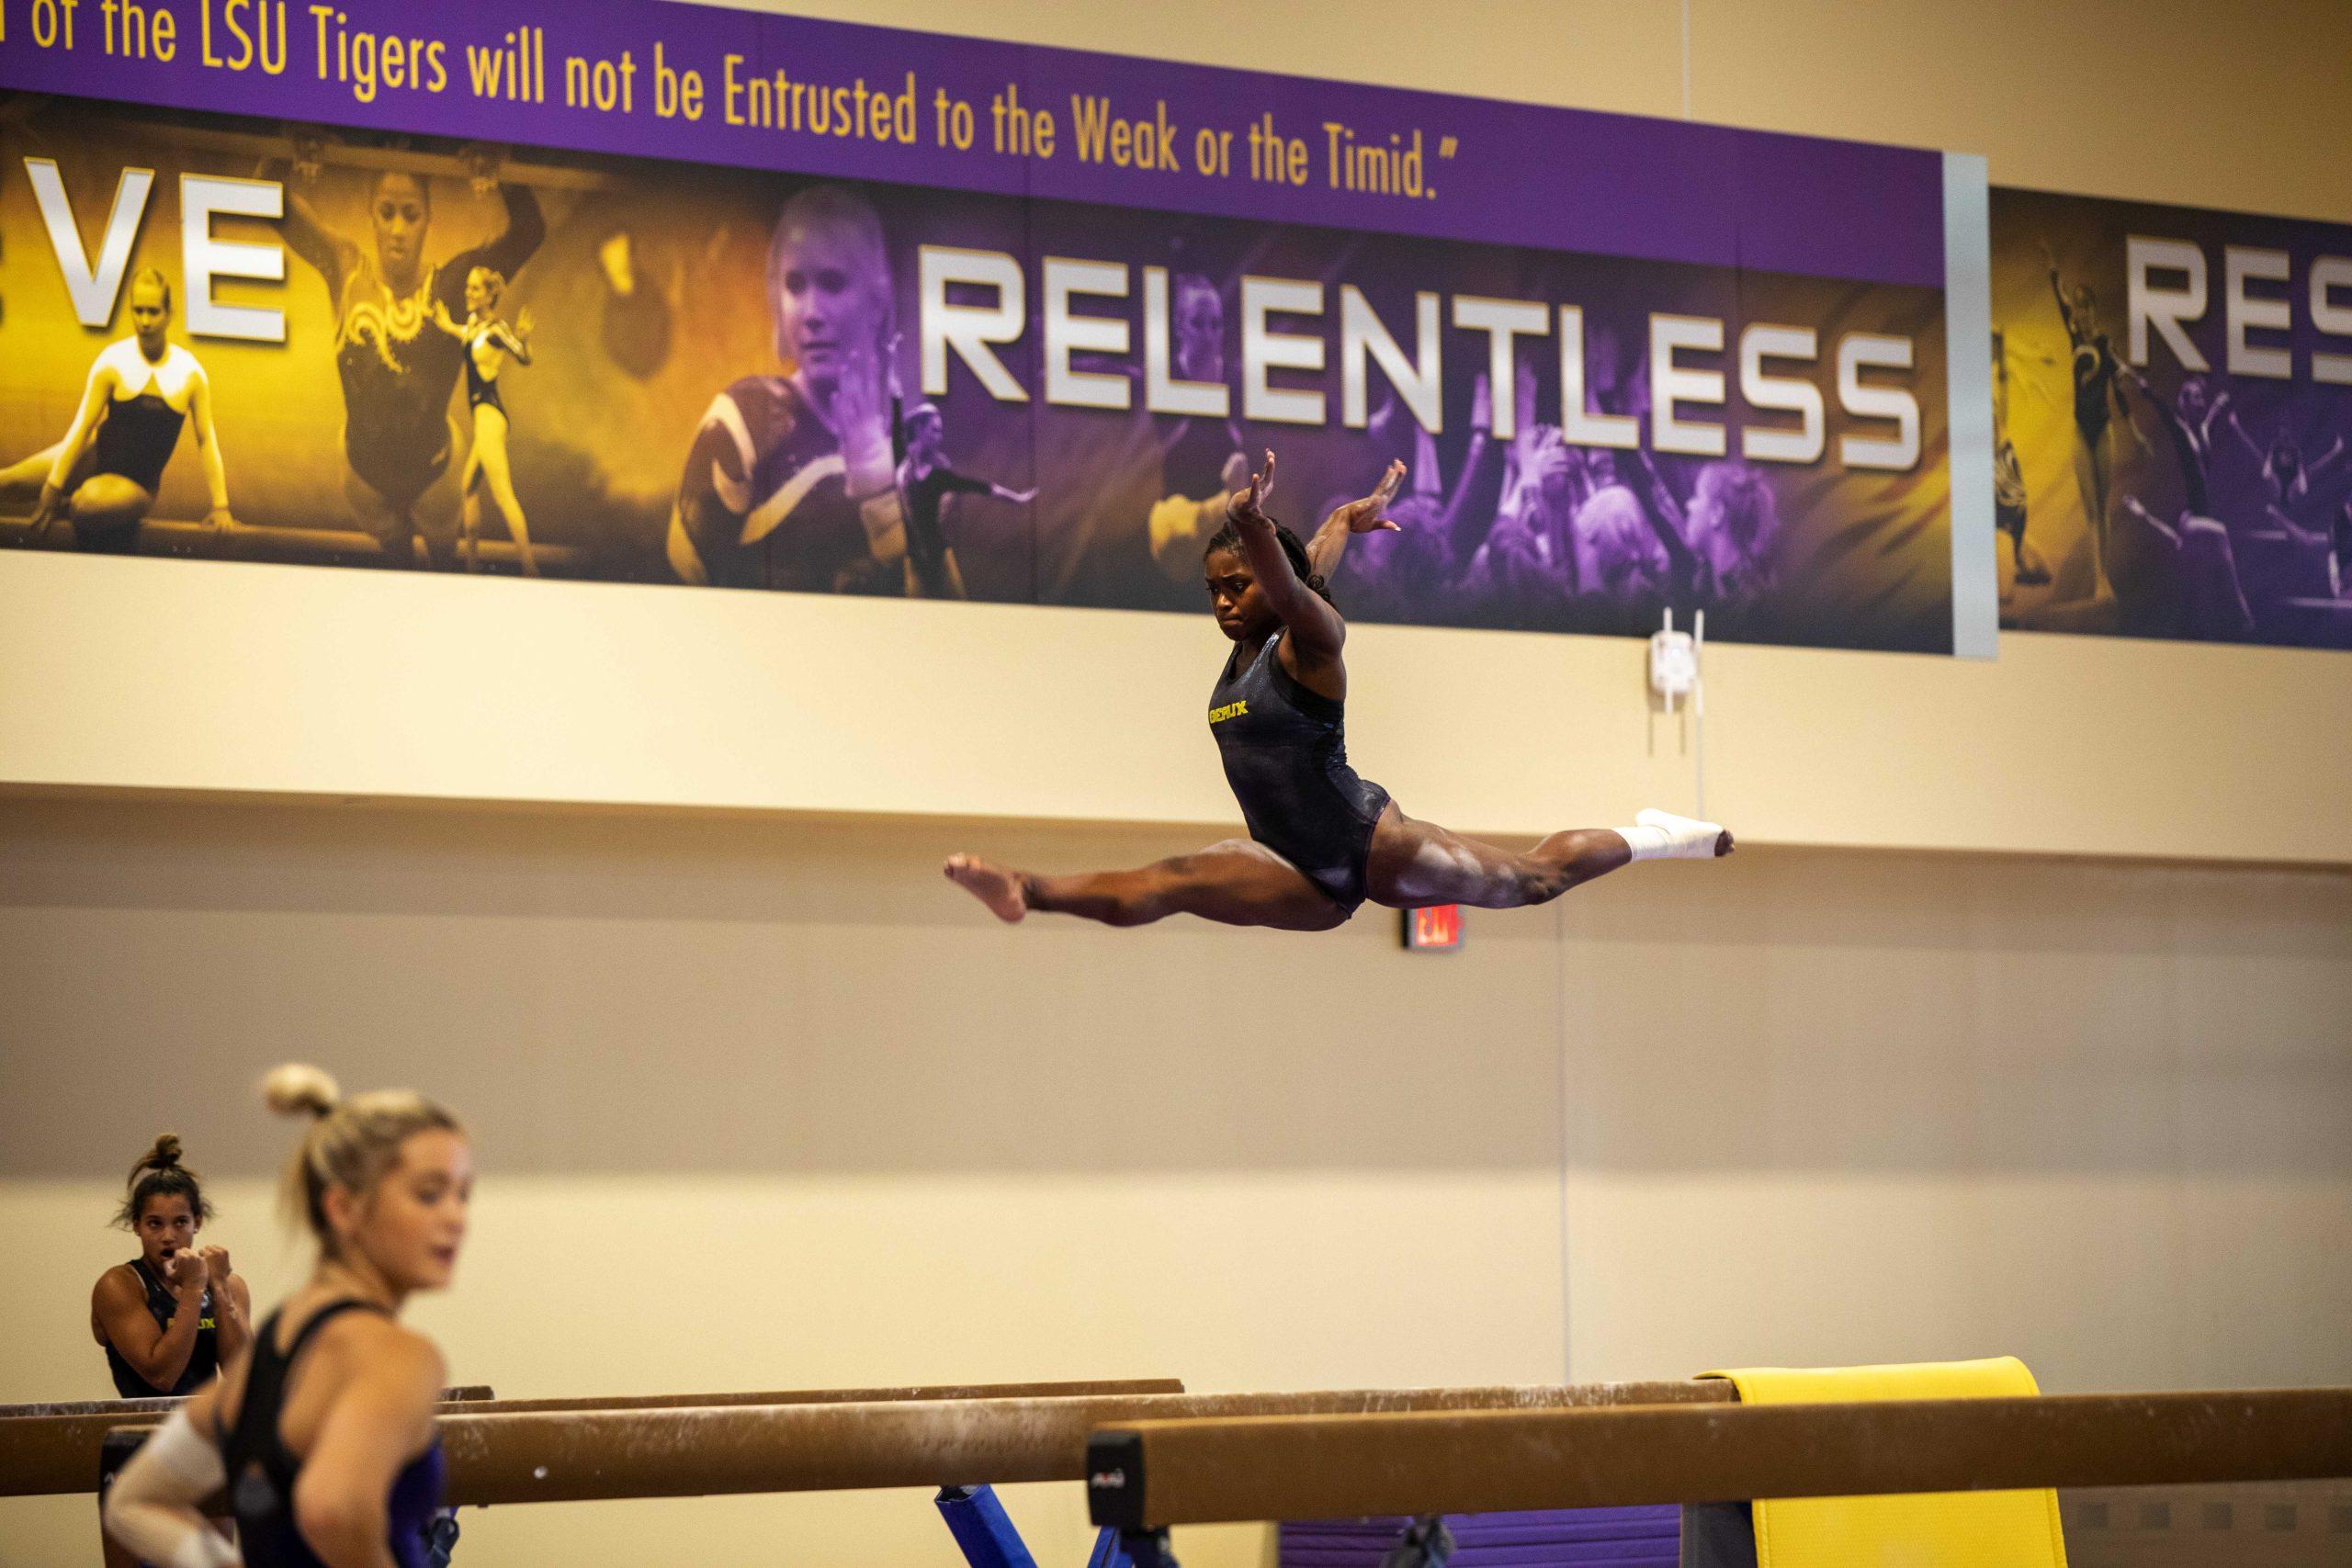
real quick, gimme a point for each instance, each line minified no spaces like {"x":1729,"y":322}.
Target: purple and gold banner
{"x":665,"y":293}
{"x":2172,"y":397}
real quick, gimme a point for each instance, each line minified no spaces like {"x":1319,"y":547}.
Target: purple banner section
{"x":2173,"y":407}
{"x":716,"y":85}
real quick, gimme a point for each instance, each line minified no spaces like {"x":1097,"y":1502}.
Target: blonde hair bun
{"x":348,"y":1142}
{"x":297,"y":1089}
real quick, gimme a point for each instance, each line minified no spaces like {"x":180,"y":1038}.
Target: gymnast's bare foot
{"x":999,"y":889}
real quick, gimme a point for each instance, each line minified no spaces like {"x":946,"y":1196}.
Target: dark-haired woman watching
{"x":171,"y":1315}
{"x":1322,"y":839}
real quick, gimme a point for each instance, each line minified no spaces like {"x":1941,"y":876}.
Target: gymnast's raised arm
{"x":517,"y":343}
{"x":2309,"y":537}
{"x":2058,"y":292}
{"x":1365,"y":516}
{"x":96,"y":397}
{"x":331,"y":255}
{"x":2253,"y":449}
{"x":1463,"y":532}
{"x":2213,"y":412}
{"x":207,"y":446}
{"x":1316,"y":631}
{"x":517,"y":243}
{"x":1666,"y":517}
{"x":2150,"y":520}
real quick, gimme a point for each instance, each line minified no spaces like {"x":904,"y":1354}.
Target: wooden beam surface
{"x":1170,"y":1472}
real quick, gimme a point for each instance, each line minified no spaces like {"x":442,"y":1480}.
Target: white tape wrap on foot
{"x":1664,"y":836}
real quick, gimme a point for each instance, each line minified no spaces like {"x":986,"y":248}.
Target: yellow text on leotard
{"x":1230,"y":710}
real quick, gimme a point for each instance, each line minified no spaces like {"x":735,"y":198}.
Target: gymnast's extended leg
{"x":489,"y":465}
{"x":1414,"y":863}
{"x":22,"y":481}
{"x":1236,"y":883}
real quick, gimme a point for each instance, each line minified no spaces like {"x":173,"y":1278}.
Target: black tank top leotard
{"x":479,"y":389}
{"x":2188,"y":452}
{"x":202,"y":1361}
{"x":1285,"y":754}
{"x":2094,"y":385}
{"x":262,"y":1469}
{"x":137,"y":438}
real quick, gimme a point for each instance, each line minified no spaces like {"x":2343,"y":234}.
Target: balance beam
{"x":161,"y":1404}
{"x":570,"y":1456}
{"x":817,"y":1396}
{"x":265,"y":542}
{"x":55,"y":1447}
{"x":1148,"y":1475}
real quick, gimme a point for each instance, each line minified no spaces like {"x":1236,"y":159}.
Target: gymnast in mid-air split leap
{"x":1321,"y":839}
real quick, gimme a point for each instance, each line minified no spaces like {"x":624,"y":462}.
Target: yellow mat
{"x":1939,"y":1530}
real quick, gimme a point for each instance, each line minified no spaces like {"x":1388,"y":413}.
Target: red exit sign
{"x":1438,"y":926}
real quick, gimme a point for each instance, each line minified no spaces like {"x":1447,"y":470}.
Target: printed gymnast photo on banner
{"x":2172,"y":397}
{"x":395,"y":350}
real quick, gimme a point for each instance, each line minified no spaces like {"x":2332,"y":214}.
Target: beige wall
{"x":761,"y":1105}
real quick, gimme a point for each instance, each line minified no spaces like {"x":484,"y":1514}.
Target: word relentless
{"x":973,"y":303}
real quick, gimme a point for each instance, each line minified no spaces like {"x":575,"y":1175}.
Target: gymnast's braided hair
{"x":1229,"y":538}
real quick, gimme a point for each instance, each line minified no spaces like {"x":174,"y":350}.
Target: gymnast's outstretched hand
{"x":1248,"y":504}
{"x":483,"y":163}
{"x":1370,"y":515}
{"x":1349,"y":518}
{"x":862,"y":414}
{"x":310,"y":148}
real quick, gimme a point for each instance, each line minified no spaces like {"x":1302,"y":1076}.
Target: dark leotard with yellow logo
{"x":202,"y":1361}
{"x":1285,"y":753}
